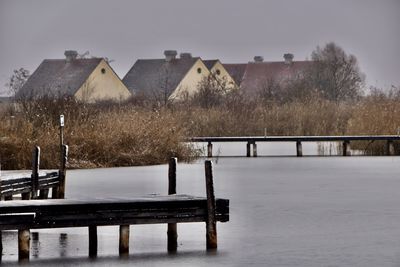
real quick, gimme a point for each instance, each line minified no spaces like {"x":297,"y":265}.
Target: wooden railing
{"x":252,"y":140}
{"x":38,"y":184}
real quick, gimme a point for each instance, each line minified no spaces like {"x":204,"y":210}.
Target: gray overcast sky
{"x":233,"y":31}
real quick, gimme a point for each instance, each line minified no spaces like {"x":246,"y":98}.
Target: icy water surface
{"x":285,"y":211}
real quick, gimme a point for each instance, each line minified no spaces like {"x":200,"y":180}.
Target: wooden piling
{"x":172,"y":232}
{"x":10,"y":197}
{"x":254,"y":149}
{"x":211,"y":224}
{"x":299,"y":149}
{"x":124,"y":240}
{"x":248,"y":149}
{"x":44,"y":194}
{"x":1,"y":245}
{"x":92,"y":241}
{"x":35,"y":172}
{"x":60,"y":191}
{"x":346,"y":148}
{"x":23,"y":244}
{"x":389,"y":148}
{"x":209,"y":149}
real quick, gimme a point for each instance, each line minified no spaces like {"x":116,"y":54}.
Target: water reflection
{"x":63,"y":244}
{"x":35,"y":247}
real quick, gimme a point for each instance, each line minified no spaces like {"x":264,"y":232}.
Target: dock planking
{"x":60,"y":213}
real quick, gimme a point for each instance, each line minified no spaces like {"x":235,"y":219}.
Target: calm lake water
{"x":285,"y":211}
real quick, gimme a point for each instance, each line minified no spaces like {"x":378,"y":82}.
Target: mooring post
{"x":124,"y":240}
{"x":211,"y":223}
{"x":390,"y":148}
{"x":299,"y":149}
{"x":346,"y":148}
{"x":44,"y":194}
{"x":172,"y":232}
{"x":1,"y":245}
{"x":248,"y":149}
{"x":254,"y":149}
{"x":209,"y":149}
{"x":60,"y":191}
{"x":35,"y":171}
{"x":23,"y":244}
{"x":10,"y":197}
{"x":92,"y":241}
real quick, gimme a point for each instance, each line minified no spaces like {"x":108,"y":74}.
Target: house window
{"x":218,"y":72}
{"x":103,"y":70}
{"x":198,"y":70}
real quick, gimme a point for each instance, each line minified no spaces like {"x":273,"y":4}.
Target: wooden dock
{"x":37,"y":184}
{"x":23,"y":215}
{"x":252,"y":140}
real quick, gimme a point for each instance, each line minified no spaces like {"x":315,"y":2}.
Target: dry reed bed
{"x":128,"y":135}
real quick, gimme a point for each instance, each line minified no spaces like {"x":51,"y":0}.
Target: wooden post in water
{"x":211,"y":223}
{"x":254,"y":149}
{"x":35,"y":172}
{"x":23,"y":244}
{"x":10,"y":197}
{"x":1,"y":245}
{"x":299,"y":149}
{"x":44,"y":194}
{"x":248,"y":149}
{"x":124,"y":240}
{"x":60,"y":191}
{"x":209,"y":149}
{"x":346,"y":148}
{"x":172,"y":232}
{"x":390,"y":148}
{"x":92,"y":241}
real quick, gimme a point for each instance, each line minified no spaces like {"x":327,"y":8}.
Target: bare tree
{"x":17,"y":80}
{"x":210,"y":91}
{"x":334,"y":74}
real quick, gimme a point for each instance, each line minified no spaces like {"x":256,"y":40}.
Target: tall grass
{"x":109,"y":135}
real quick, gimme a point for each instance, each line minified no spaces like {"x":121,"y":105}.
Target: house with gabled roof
{"x":86,"y":79}
{"x":169,"y":78}
{"x":255,"y":75}
{"x":221,"y":74}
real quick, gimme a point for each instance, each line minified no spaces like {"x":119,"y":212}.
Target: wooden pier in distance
{"x":23,"y":215}
{"x":252,"y":140}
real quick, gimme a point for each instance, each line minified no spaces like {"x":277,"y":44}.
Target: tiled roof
{"x":149,"y":76}
{"x":57,"y":77}
{"x":210,"y":63}
{"x":258,"y":74}
{"x":236,"y":71}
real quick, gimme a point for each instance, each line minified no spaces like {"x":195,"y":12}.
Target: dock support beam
{"x":248,"y":149}
{"x":172,"y":231}
{"x":23,"y":244}
{"x":60,"y":191}
{"x":299,"y":149}
{"x":92,"y":241}
{"x":254,"y":149}
{"x":346,"y":148}
{"x":211,"y":223}
{"x":124,"y":240}
{"x":390,"y":148}
{"x":209,"y":149}
{"x":35,"y":172}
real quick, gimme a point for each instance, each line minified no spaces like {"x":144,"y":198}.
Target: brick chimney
{"x":288,"y":58}
{"x":185,"y":55}
{"x":170,"y":55}
{"x":258,"y":59}
{"x":70,"y":55}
